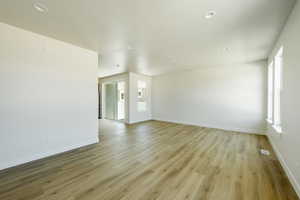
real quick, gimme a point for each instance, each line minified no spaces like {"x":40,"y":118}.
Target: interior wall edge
{"x":43,"y":155}
{"x":285,"y":166}
{"x":48,"y":96}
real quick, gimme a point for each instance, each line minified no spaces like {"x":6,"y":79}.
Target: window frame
{"x":275,"y":88}
{"x":270,"y":92}
{"x":278,"y":68}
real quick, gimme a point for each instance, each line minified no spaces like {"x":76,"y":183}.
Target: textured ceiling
{"x":157,"y":36}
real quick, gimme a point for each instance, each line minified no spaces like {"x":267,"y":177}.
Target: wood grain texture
{"x":154,"y":160}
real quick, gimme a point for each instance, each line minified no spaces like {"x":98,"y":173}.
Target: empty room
{"x":149,"y":100}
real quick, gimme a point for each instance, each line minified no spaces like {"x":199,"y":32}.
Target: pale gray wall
{"x":48,"y":98}
{"x":110,"y":101}
{"x":226,"y":97}
{"x":287,"y":144}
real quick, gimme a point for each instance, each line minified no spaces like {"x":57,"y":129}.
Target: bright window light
{"x":270,"y":92}
{"x":278,"y":64}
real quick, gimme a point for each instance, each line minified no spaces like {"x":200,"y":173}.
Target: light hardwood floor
{"x":154,"y":160}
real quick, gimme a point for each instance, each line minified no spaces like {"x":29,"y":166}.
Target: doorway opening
{"x":114,"y":101}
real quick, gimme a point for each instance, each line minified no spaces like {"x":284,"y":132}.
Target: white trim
{"x":269,"y":121}
{"x":139,"y":121}
{"x":277,"y":128}
{"x":284,"y":165}
{"x":235,"y":129}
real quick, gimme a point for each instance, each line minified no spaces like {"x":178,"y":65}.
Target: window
{"x":274,"y":91}
{"x":277,"y":89}
{"x":270,"y":92}
{"x":141,"y":96}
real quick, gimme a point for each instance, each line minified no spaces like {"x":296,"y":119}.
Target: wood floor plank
{"x":154,"y":160}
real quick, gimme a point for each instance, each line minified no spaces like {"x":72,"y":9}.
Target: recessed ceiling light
{"x":40,"y":7}
{"x":210,"y":14}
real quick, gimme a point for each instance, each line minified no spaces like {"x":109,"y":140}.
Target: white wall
{"x":232,"y":98}
{"x":287,"y":144}
{"x":48,"y":96}
{"x":135,"y":115}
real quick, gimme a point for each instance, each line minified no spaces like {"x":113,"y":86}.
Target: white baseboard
{"x":40,"y":155}
{"x":242,"y":130}
{"x":284,"y":165}
{"x":138,"y":121}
